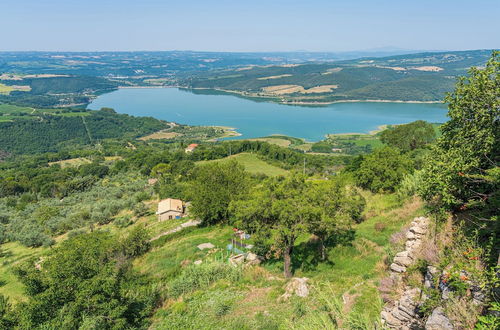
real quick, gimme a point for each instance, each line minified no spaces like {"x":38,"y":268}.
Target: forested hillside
{"x":415,"y":77}
{"x":44,"y":131}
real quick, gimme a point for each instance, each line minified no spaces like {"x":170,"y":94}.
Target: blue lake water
{"x":257,"y":119}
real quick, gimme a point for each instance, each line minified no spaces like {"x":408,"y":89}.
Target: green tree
{"x":83,"y":278}
{"x":283,"y":209}
{"x":462,"y":170}
{"x":382,"y":170}
{"x":409,"y":136}
{"x":213,"y":187}
{"x":339,"y":206}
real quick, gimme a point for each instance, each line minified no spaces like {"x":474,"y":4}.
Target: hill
{"x":415,"y":77}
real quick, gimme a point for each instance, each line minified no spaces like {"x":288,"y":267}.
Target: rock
{"x":478,"y":296}
{"x":237,"y":259}
{"x":429,"y":277}
{"x":418,"y":230}
{"x":410,"y":235}
{"x":251,"y":256}
{"x":297,"y":286}
{"x":402,"y":254}
{"x":403,"y":261}
{"x":398,"y":268}
{"x":198,"y":262}
{"x":438,"y":321}
{"x":204,"y":246}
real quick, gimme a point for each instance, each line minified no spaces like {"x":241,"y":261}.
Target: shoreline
{"x":244,"y":94}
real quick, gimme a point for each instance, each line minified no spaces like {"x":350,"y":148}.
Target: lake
{"x":256,"y":119}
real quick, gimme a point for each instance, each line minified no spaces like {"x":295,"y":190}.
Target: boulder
{"x":204,"y":246}
{"x":197,"y":262}
{"x":297,"y":286}
{"x":438,"y":321}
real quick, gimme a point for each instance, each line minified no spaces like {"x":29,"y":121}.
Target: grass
{"x":74,"y":162}
{"x":252,"y":164}
{"x":11,"y":254}
{"x":276,"y":141}
{"x":13,"y":109}
{"x":351,"y":274}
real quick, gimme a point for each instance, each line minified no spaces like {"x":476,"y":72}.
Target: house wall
{"x":169,"y":215}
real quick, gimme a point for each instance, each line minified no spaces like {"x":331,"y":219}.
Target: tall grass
{"x":201,"y":276}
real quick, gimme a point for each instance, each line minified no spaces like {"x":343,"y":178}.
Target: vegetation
{"x":81,"y":246}
{"x":421,"y":77}
{"x":410,"y":136}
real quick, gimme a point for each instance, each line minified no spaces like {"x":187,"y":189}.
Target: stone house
{"x":169,"y":209}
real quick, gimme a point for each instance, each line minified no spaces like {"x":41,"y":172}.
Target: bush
{"x":410,"y":185}
{"x":123,"y":221}
{"x":382,"y":170}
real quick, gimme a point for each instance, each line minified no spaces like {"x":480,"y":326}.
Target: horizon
{"x":319,"y":26}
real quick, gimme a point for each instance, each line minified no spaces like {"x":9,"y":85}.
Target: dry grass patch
{"x":428,"y":68}
{"x":277,"y":141}
{"x":290,"y":89}
{"x":160,"y":135}
{"x":275,"y":77}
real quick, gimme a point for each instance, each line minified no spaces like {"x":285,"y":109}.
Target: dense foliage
{"x":409,"y":136}
{"x":382,"y":170}
{"x":463,"y":171}
{"x":46,"y":132}
{"x":85,"y":282}
{"x":213,"y":188}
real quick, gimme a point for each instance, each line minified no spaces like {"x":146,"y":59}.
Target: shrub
{"x":382,"y":170}
{"x":123,"y":221}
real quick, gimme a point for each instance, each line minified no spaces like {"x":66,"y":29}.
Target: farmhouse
{"x":169,"y":209}
{"x":191,"y":147}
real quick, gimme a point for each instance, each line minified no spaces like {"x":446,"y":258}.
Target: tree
{"x":340,"y":206}
{"x":462,"y":170}
{"x":283,"y":209}
{"x":382,"y":170}
{"x":409,"y":136}
{"x":213,"y":187}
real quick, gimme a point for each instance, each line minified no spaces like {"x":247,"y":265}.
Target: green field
{"x":253,"y":164}
{"x":10,"y":255}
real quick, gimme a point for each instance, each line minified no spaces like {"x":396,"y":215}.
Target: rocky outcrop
{"x":438,"y":321}
{"x":404,"y":313}
{"x":296,"y":286}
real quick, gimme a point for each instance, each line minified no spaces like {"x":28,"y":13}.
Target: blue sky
{"x":251,"y":25}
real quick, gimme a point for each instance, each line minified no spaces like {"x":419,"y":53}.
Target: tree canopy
{"x":213,"y":187}
{"x":382,"y":170}
{"x":462,"y":171}
{"x":284,"y":208}
{"x":409,"y":136}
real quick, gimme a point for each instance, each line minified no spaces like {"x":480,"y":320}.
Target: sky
{"x":249,"y":25}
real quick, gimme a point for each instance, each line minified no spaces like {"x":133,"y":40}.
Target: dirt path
{"x":190,"y":223}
